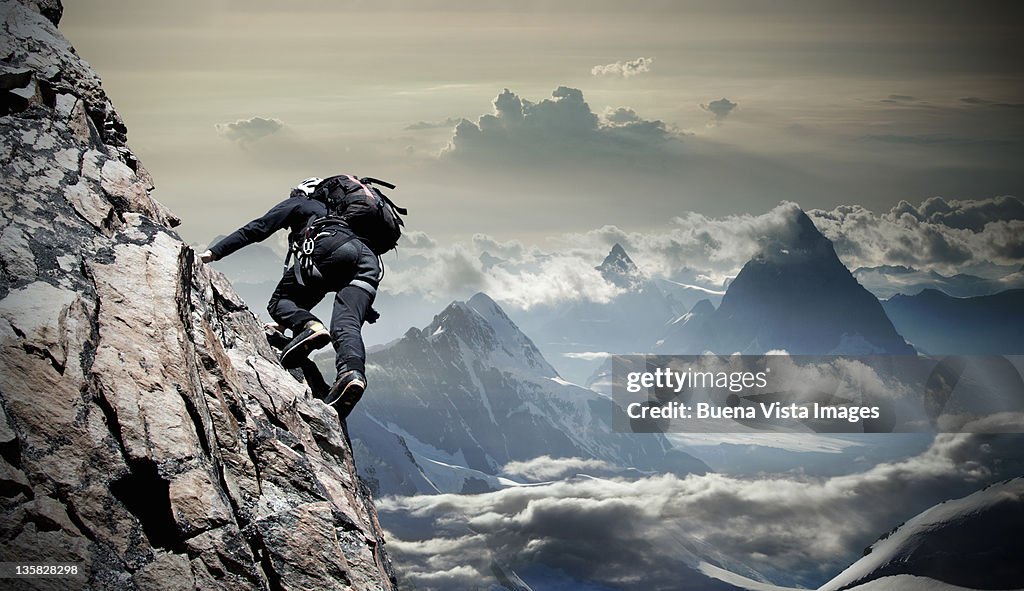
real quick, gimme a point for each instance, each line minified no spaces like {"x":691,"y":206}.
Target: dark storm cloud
{"x":249,"y":130}
{"x":643,"y":534}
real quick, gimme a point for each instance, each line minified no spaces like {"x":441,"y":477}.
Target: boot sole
{"x":293,"y":357}
{"x":347,"y":399}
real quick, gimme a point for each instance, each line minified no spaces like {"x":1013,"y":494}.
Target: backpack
{"x":358,"y":204}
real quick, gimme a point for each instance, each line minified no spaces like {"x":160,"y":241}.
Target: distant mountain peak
{"x":618,"y":251}
{"x":482,"y":300}
{"x":483,"y":326}
{"x":795,"y":295}
{"x":620,"y":270}
{"x":801,"y":240}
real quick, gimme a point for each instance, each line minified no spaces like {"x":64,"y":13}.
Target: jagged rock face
{"x":147,"y":433}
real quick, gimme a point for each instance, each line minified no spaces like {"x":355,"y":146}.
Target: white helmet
{"x":306,"y":187}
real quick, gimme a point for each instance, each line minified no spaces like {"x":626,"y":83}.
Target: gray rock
{"x":147,"y":432}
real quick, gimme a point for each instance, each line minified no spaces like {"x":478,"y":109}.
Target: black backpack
{"x":361,"y":206}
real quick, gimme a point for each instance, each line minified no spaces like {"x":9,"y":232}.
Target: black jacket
{"x":293,"y":213}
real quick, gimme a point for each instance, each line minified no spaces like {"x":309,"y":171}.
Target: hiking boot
{"x":346,"y":392}
{"x":314,"y":336}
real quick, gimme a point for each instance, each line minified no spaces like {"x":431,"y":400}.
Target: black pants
{"x":346,"y":266}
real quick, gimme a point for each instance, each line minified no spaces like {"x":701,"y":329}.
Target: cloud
{"x":720,"y":108}
{"x":642,"y":534}
{"x":621,"y":116}
{"x":900,"y":99}
{"x":696,"y":244}
{"x":416,"y":239}
{"x":444,"y":124}
{"x":513,"y":249}
{"x":562,"y":125}
{"x":249,"y":130}
{"x":547,"y":468}
{"x":978,"y":101}
{"x":964,"y":215}
{"x":588,"y":355}
{"x":939,"y":234}
{"x":624,"y":69}
{"x":519,"y":276}
{"x":947,"y":236}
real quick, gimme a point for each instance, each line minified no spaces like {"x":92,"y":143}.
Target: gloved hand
{"x":372,"y":316}
{"x":207,"y":256}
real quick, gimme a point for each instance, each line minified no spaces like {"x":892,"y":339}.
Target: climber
{"x":337,"y":250}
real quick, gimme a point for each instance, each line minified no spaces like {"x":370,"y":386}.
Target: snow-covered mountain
{"x":469,"y":393}
{"x":620,"y":270}
{"x":794,"y":295}
{"x":575,"y":334}
{"x":941,"y":324}
{"x":974,"y":543}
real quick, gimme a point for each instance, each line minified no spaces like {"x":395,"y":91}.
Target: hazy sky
{"x":229,"y":103}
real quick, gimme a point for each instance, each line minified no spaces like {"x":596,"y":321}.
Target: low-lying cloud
{"x":947,"y":236}
{"x":939,"y":234}
{"x":963,"y":215}
{"x":546,"y":467}
{"x":643,"y":534}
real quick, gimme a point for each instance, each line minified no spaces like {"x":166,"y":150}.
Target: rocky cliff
{"x":147,"y":433}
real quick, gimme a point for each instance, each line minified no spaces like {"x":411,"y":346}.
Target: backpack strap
{"x":373,"y":181}
{"x":394,"y":206}
{"x":369,"y":180}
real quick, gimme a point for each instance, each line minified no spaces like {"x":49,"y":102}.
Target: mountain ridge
{"x":941,"y":324}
